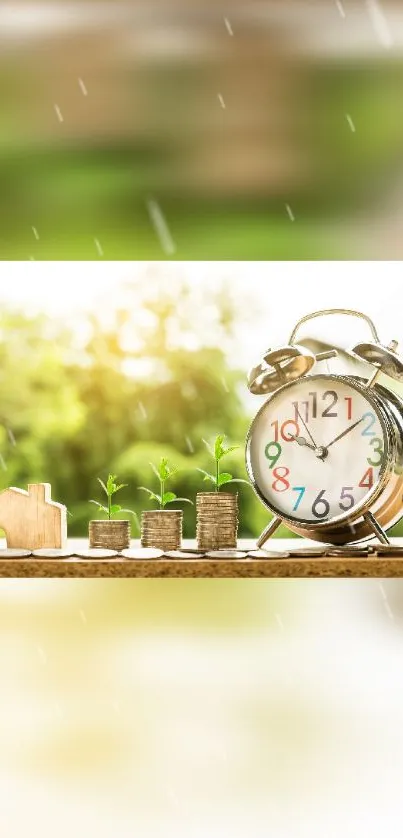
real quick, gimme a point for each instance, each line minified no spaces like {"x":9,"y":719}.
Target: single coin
{"x":14,"y":553}
{"x":346,"y":552}
{"x":268,"y":554}
{"x":226,"y":554}
{"x":50,"y":553}
{"x":95,"y":553}
{"x":184,"y":554}
{"x":308,"y":552}
{"x":388,"y":550}
{"x":142,"y":553}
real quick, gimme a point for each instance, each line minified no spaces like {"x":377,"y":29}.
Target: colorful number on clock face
{"x":317,"y":449}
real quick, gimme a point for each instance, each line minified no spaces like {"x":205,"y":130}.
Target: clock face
{"x":316,"y":450}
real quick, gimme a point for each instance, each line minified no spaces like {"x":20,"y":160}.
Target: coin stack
{"x":162,"y":528}
{"x":113,"y":535}
{"x":217,"y":520}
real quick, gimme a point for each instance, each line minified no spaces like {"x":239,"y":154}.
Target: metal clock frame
{"x":382,"y":507}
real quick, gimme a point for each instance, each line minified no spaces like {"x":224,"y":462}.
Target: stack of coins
{"x":162,"y":528}
{"x":112,"y":535}
{"x":217,"y":520}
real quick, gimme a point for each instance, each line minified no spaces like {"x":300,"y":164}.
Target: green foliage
{"x":110,"y":489}
{"x":163,"y":472}
{"x":69,"y":405}
{"x":218,"y":451}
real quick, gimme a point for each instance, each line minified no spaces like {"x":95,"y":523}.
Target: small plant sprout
{"x":218,"y":451}
{"x":110,"y":489}
{"x":163,"y":472}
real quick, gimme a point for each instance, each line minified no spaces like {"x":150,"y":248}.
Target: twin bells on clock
{"x":292,"y":361}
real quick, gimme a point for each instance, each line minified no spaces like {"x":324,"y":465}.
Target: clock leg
{"x":269,"y":530}
{"x":376,"y":528}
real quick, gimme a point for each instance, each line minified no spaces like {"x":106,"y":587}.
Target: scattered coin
{"x":307,"y":552}
{"x":226,"y":554}
{"x":346,"y":552}
{"x":184,"y":554}
{"x":268,"y":554}
{"x":95,"y":553}
{"x":142,"y":553}
{"x":391,"y":550}
{"x":49,"y":553}
{"x":14,"y":553}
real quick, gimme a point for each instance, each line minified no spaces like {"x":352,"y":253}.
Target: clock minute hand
{"x":346,"y":431}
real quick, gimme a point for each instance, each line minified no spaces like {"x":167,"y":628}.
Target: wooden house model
{"x":31,"y":520}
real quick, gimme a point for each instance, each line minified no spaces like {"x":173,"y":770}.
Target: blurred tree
{"x":131,"y":393}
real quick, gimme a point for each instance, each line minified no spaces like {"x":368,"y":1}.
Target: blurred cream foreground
{"x":219,"y":708}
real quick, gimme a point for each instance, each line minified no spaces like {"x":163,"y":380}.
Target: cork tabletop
{"x":367,"y":562}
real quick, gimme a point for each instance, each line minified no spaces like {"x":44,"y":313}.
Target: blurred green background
{"x":113,"y":396}
{"x":143,"y":130}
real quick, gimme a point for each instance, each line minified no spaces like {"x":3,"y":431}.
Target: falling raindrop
{"x":379,"y":23}
{"x":189,"y":444}
{"x":228,"y":26}
{"x":98,"y":247}
{"x":350,"y":122}
{"x":221,"y":100}
{"x":83,"y":88}
{"x":11,"y":437}
{"x":290,"y":212}
{"x":225,"y":385}
{"x":279,"y":621}
{"x":386,"y":602}
{"x":340,"y":8}
{"x":35,"y":232}
{"x":160,"y":226}
{"x":58,"y":113}
{"x":83,"y":616}
{"x":142,"y":410}
{"x":3,"y":463}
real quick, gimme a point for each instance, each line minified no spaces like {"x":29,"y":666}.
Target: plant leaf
{"x":224,"y":477}
{"x":110,"y":484}
{"x":209,"y":447}
{"x":155,"y":470}
{"x":115,"y":508}
{"x":219,"y":450}
{"x":207,"y":475}
{"x":163,"y":469}
{"x":131,"y":512}
{"x":103,"y":485}
{"x":152,"y":495}
{"x":119,"y":487}
{"x":100,"y":506}
{"x":184,"y":500}
{"x":229,"y":449}
{"x":168,"y":497}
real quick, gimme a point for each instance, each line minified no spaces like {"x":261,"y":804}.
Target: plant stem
{"x":217,"y":474}
{"x":162,"y":494}
{"x":109,"y":507}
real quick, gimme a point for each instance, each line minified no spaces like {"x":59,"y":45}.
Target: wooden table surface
{"x":297,"y":565}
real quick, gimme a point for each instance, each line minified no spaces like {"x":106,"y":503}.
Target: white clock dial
{"x":317,"y":449}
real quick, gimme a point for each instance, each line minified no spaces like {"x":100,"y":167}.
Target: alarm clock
{"x":324,"y":452}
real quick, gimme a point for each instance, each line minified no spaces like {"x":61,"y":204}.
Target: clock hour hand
{"x":346,"y":431}
{"x":307,"y":429}
{"x":302,"y":441}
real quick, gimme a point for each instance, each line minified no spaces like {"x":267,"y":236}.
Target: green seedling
{"x":110,"y":489}
{"x":218,"y":451}
{"x":163,"y":473}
